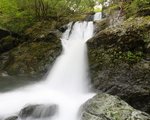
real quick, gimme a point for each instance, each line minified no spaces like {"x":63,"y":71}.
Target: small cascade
{"x":98,"y":16}
{"x":60,"y":96}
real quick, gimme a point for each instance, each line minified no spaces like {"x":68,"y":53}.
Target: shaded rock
{"x":8,"y":43}
{"x":144,"y":11}
{"x":107,"y":107}
{"x":4,"y":33}
{"x":38,"y":111}
{"x":119,"y":65}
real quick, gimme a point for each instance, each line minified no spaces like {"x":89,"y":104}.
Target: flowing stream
{"x":66,"y":85}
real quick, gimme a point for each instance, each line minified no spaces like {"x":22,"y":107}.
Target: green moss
{"x":136,"y":6}
{"x":130,"y":57}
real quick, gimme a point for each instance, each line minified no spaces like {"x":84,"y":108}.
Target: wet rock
{"x":12,"y":118}
{"x":38,"y":111}
{"x":107,"y":107}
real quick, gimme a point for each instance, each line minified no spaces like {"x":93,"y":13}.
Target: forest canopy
{"x":24,"y":12}
{"x":16,"y":15}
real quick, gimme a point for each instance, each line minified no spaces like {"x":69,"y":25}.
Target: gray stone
{"x":108,"y":107}
{"x":38,"y":111}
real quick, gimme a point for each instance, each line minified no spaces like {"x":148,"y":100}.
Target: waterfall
{"x":66,"y":86}
{"x":72,"y":65}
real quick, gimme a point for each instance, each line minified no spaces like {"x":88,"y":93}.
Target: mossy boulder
{"x":119,"y":61}
{"x":107,"y":107}
{"x":30,"y":58}
{"x":33,"y":54}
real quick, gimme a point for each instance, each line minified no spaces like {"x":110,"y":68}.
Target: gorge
{"x":55,"y":69}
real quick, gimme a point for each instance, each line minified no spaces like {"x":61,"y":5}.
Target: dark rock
{"x":4,"y":33}
{"x":63,"y":28}
{"x":7,"y":43}
{"x":117,"y":62}
{"x":38,"y":111}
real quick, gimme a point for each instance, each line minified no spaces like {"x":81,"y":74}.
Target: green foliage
{"x":135,"y":6}
{"x":16,"y":15}
{"x":12,"y":17}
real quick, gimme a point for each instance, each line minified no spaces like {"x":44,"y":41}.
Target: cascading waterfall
{"x":66,"y":85}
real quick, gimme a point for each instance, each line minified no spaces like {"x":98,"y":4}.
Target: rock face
{"x":119,"y":61}
{"x":34,"y":54}
{"x":5,"y":33}
{"x":107,"y":107}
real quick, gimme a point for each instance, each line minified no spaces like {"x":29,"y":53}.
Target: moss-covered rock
{"x":119,"y":61}
{"x":107,"y":107}
{"x":33,"y":54}
{"x":30,"y":58}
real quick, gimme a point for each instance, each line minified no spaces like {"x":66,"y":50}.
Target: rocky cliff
{"x":119,"y":58}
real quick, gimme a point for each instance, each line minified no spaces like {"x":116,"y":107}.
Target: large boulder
{"x":107,"y":107}
{"x":35,"y":54}
{"x":119,"y":61}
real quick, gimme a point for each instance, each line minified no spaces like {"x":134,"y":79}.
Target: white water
{"x":98,"y":16}
{"x":66,"y":84}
